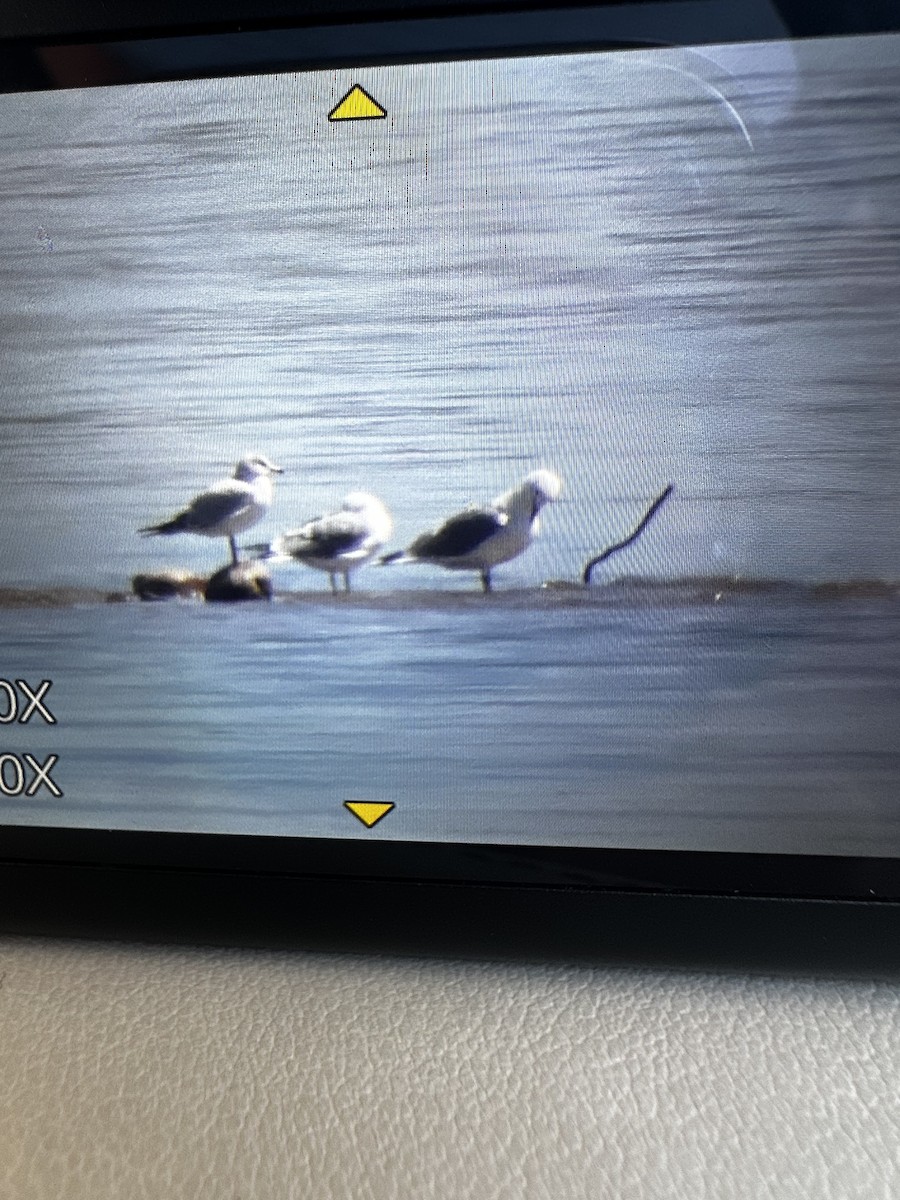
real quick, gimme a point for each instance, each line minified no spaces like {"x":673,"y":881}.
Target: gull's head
{"x":360,"y":502}
{"x":255,"y":466}
{"x":544,"y":487}
{"x":372,"y":510}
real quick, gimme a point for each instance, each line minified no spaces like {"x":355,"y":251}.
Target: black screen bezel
{"x":531,"y":901}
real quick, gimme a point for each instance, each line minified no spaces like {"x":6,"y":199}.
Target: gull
{"x":478,"y":539}
{"x":228,"y":507}
{"x":339,"y":542}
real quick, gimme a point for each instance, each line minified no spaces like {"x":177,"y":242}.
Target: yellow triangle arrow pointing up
{"x":369,"y":812}
{"x":357,"y":105}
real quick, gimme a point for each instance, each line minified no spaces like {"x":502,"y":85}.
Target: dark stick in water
{"x":632,"y":537}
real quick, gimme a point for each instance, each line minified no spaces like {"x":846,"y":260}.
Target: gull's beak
{"x":276,"y":470}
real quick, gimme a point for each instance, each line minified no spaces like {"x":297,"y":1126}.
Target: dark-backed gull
{"x":479,"y":539}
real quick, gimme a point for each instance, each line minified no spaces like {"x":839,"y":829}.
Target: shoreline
{"x":632,"y":591}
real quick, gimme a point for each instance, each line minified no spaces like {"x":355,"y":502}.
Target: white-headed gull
{"x":478,"y":539}
{"x":229,"y":507}
{"x":340,"y":542}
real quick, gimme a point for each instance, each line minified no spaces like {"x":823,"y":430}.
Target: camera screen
{"x":495,"y":452}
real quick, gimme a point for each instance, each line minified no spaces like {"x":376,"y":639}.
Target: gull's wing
{"x":460,"y":535}
{"x":325,"y":537}
{"x":221,"y":503}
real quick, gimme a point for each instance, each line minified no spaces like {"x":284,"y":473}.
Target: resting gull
{"x":229,"y":506}
{"x":478,"y":539}
{"x":340,"y":542}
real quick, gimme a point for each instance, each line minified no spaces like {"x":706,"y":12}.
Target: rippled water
{"x":590,"y":263}
{"x":759,"y":723}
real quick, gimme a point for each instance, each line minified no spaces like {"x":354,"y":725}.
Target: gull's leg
{"x":346,"y":581}
{"x":234,"y":550}
{"x":485,"y":580}
{"x":333,"y":579}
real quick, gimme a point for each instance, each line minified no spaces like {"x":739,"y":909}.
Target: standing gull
{"x":229,"y":506}
{"x":478,"y":539}
{"x":340,"y":542}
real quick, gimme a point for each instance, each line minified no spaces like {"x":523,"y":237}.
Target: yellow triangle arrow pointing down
{"x":369,"y":812}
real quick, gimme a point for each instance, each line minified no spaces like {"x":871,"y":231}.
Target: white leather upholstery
{"x":128,"y":1073}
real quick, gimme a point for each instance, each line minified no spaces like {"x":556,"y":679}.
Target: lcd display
{"x":414,"y":347}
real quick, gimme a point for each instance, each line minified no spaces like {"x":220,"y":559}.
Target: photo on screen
{"x":325,"y":395}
